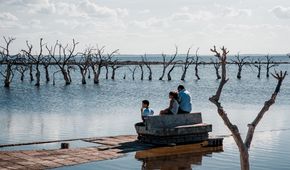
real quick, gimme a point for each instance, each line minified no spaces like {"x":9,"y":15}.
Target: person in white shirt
{"x":145,"y":110}
{"x":173,"y":105}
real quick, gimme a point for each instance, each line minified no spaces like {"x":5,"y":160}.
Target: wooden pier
{"x":109,"y":148}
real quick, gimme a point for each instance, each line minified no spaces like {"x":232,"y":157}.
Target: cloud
{"x":231,"y":12}
{"x":6,"y":16}
{"x":281,"y":12}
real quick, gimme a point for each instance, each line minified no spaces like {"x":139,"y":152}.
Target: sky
{"x":150,"y":26}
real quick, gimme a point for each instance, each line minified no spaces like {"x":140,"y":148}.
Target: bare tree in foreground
{"x":215,"y":99}
{"x":217,"y":66}
{"x":269,"y":64}
{"x":166,"y":63}
{"x":187,"y":63}
{"x":147,"y":64}
{"x":240,"y":62}
{"x":8,"y":59}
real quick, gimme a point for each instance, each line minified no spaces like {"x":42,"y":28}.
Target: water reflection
{"x":175,"y":158}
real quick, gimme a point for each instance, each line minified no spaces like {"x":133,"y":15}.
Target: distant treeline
{"x":93,"y":59}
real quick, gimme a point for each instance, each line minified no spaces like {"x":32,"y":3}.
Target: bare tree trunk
{"x":169,"y":72}
{"x":163,"y":73}
{"x":239,"y":75}
{"x":215,"y":99}
{"x":8,"y":76}
{"x":142,"y":71}
{"x":259,"y":72}
{"x":107,"y":71}
{"x":46,"y":73}
{"x":37,"y":75}
{"x":196,"y":71}
{"x":183,"y":74}
{"x":22,"y":76}
{"x":30,"y":72}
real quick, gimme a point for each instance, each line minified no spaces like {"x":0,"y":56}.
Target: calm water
{"x":55,"y":112}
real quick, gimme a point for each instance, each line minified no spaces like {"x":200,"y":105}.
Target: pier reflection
{"x":175,"y":158}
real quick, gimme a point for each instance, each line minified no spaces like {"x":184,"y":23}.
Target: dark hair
{"x":181,"y":87}
{"x":174,"y":94}
{"x":145,"y":102}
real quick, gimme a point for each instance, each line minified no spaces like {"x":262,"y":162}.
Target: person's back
{"x":185,"y":105}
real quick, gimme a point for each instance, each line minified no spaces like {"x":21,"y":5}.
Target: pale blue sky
{"x":151,"y":26}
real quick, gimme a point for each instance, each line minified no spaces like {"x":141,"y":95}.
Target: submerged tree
{"x":196,"y":62}
{"x":147,"y":64}
{"x":187,"y":63}
{"x":166,"y":63}
{"x":269,"y":64}
{"x":65,"y":55}
{"x":46,"y":63}
{"x":133,"y":70}
{"x":170,"y":70}
{"x":114,"y":67}
{"x":258,"y":65}
{"x":99,"y":60}
{"x":21,"y":67}
{"x":35,"y":59}
{"x":84,"y":63}
{"x":243,"y":146}
{"x":217,"y":66}
{"x":8,"y":60}
{"x":240,"y":62}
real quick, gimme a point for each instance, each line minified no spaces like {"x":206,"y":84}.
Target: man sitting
{"x":184,"y":100}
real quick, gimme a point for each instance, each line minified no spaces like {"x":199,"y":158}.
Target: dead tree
{"x":99,"y":60}
{"x":84,"y":63}
{"x":133,"y":70}
{"x":258,"y":65}
{"x":22,"y":66}
{"x":148,"y":65}
{"x":170,"y":70}
{"x":269,"y":64}
{"x":215,"y":99}
{"x":187,"y":63}
{"x":114,"y":67}
{"x":30,"y":67}
{"x":142,"y":71}
{"x":35,"y":59}
{"x":8,"y":60}
{"x":217,"y":66}
{"x":65,"y":55}
{"x":166,"y":63}
{"x":240,"y":62}
{"x":196,"y":62}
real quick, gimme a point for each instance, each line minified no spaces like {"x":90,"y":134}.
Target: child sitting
{"x":173,"y":105}
{"x":145,"y":110}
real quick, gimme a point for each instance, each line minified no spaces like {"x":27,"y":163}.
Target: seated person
{"x":184,"y":100}
{"x":173,"y":105}
{"x":145,"y":110}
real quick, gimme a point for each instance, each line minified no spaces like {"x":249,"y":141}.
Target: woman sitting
{"x":173,"y":105}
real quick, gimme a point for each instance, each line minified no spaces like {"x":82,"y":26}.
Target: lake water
{"x":56,"y":112}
